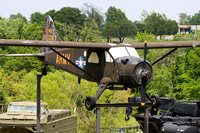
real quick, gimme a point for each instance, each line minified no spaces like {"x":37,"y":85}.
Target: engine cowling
{"x":130,"y":71}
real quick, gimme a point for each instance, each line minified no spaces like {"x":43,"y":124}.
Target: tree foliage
{"x":69,"y":15}
{"x":195,"y":20}
{"x":178,"y":74}
{"x":140,"y":26}
{"x":120,"y":29}
{"x":66,"y":15}
{"x":18,"y":15}
{"x":183,"y":19}
{"x":117,"y":25}
{"x":113,"y":14}
{"x":92,"y":12}
{"x":37,"y":17}
{"x":158,"y":24}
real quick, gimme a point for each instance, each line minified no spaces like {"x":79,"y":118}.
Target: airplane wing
{"x":23,"y":55}
{"x":51,"y":39}
{"x":65,"y":44}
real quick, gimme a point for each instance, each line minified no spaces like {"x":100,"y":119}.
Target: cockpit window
{"x":93,"y":58}
{"x":123,"y":51}
{"x":132,"y":51}
{"x":108,"y":57}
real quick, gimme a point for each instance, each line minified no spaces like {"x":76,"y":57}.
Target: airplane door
{"x":109,"y":65}
{"x":95,"y":64}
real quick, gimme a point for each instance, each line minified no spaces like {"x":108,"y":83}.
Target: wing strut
{"x":164,"y":56}
{"x":75,"y":65}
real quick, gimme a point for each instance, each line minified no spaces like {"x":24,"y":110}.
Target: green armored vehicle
{"x":21,"y":118}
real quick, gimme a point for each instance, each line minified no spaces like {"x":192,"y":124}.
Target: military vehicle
{"x":170,"y":116}
{"x":21,"y":118}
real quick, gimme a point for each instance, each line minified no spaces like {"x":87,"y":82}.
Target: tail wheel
{"x":90,"y":103}
{"x":156,"y":101}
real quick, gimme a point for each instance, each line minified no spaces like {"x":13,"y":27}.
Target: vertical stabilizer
{"x":49,"y":32}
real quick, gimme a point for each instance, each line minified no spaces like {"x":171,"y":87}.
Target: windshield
{"x":24,"y":108}
{"x":123,"y":51}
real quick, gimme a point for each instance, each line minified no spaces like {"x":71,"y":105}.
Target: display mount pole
{"x":98,"y":120}
{"x":39,"y":76}
{"x":146,"y":120}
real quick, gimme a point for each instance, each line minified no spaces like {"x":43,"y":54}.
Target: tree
{"x":18,"y":15}
{"x":32,"y":31}
{"x":89,"y":31}
{"x":51,"y":13}
{"x":93,"y":13}
{"x":195,"y":20}
{"x":114,"y":14}
{"x":183,"y":19}
{"x":144,"y":15}
{"x":140,"y":26}
{"x":172,"y":27}
{"x":117,"y":25}
{"x":120,"y":29}
{"x":155,"y":24}
{"x":69,"y":15}
{"x":73,"y":32}
{"x":158,"y":24}
{"x":11,"y":28}
{"x":37,"y":17}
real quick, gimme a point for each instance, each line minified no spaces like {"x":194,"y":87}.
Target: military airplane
{"x":107,"y":64}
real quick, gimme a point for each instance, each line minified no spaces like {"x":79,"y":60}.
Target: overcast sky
{"x":132,"y":8}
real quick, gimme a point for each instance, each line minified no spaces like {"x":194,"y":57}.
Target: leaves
{"x":117,"y":25}
{"x":113,"y":14}
{"x":158,"y":24}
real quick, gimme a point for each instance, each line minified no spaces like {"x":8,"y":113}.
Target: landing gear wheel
{"x":90,"y":103}
{"x":156,"y":101}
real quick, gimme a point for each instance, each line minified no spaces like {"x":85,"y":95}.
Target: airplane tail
{"x":49,"y":32}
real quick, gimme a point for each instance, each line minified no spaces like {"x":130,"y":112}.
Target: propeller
{"x":144,"y":77}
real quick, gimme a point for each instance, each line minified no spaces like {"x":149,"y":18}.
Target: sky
{"x":132,"y":8}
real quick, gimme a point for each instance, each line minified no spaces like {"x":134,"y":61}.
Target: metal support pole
{"x":97,"y":120}
{"x":39,"y":76}
{"x":146,"y":120}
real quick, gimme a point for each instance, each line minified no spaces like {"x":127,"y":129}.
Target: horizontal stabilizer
{"x":22,"y":55}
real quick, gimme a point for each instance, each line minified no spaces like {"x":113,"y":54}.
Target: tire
{"x":90,"y":103}
{"x":156,"y":101}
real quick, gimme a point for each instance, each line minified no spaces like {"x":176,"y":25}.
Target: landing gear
{"x":156,"y":102}
{"x":90,"y":103}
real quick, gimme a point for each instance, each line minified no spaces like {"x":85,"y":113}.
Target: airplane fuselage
{"x":118,"y":65}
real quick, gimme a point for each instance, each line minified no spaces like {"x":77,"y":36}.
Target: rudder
{"x":49,"y":32}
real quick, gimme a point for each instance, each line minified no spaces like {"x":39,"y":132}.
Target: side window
{"x":108,"y":57}
{"x":93,"y":58}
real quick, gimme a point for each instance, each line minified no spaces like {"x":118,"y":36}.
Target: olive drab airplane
{"x":107,"y":64}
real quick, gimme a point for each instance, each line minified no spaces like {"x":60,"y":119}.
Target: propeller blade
{"x":143,"y":90}
{"x":145,"y":54}
{"x":144,"y":78}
